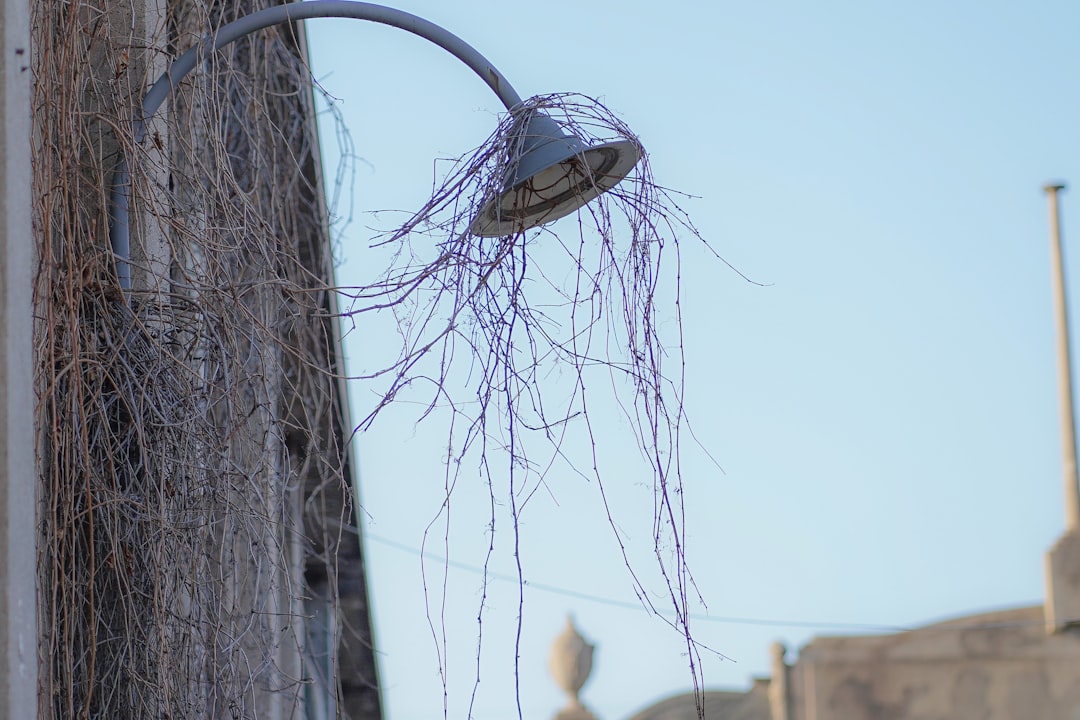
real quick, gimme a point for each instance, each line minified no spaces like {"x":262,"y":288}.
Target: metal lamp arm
{"x":119,"y":205}
{"x":288,"y":12}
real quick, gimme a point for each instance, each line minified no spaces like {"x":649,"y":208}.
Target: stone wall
{"x":994,"y":666}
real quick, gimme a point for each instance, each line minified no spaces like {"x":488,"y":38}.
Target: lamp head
{"x":553,"y":175}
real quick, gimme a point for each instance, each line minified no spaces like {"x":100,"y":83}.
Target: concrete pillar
{"x":151,"y":253}
{"x":1062,"y":607}
{"x":779,"y":695}
{"x":1061,"y":318}
{"x":18,"y":631}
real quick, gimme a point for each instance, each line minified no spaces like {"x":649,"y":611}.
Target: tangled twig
{"x":592,"y":312}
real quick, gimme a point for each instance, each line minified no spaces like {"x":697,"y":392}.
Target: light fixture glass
{"x":550,"y":175}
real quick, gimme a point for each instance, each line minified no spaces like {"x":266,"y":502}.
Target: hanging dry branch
{"x":196,"y":530}
{"x":484,"y":327}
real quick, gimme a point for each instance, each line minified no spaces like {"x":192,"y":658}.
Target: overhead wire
{"x":697,"y":616}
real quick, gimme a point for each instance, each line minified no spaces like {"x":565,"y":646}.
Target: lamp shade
{"x":554,"y":174}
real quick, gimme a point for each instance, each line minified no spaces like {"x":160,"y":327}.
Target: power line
{"x":700,"y":617}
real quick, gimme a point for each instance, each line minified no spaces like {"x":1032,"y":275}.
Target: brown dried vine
{"x":197,"y":553}
{"x":481,"y":310}
{"x":196,"y":526}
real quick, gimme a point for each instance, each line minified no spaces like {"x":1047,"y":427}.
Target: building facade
{"x":175,"y":477}
{"x":1017,"y":664}
{"x":993,"y":666}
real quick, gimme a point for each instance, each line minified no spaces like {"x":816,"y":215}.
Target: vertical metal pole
{"x":18,"y":608}
{"x":1061,"y":313}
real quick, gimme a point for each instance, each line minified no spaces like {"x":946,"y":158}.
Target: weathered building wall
{"x":194,"y":478}
{"x":995,"y":666}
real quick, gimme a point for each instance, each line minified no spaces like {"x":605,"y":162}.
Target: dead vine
{"x":197,"y":549}
{"x":484,"y":327}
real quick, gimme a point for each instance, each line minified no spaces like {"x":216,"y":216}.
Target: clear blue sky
{"x":884,"y":408}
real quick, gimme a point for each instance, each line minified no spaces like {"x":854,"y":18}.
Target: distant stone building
{"x":994,"y":665}
{"x":1019,"y":664}
{"x":750,"y":705}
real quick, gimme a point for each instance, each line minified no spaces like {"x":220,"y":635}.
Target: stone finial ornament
{"x":570,"y":663}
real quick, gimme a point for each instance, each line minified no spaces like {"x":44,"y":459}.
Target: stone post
{"x":570,"y":664}
{"x":779,"y":696}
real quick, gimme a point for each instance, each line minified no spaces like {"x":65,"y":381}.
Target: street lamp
{"x":545,"y":172}
{"x":550,"y":174}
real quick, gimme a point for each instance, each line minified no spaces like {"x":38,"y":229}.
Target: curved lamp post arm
{"x":119,"y":221}
{"x":288,"y":12}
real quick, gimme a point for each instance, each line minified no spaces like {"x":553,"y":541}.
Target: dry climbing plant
{"x":196,"y":550}
{"x":481,"y":312}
